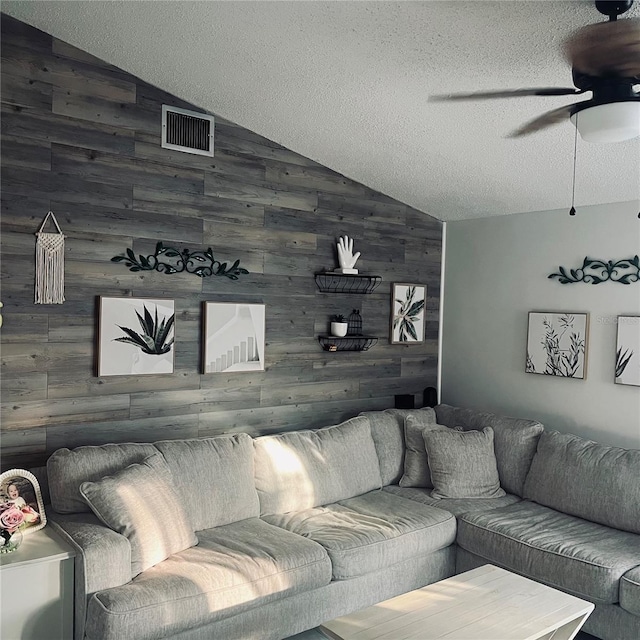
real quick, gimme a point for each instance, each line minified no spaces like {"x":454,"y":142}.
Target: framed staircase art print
{"x":233,"y":337}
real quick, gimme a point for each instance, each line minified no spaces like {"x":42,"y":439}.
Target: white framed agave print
{"x":628,"y":351}
{"x":557,"y":344}
{"x":408,"y":303}
{"x":135,"y":336}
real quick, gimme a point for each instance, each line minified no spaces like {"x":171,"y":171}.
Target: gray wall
{"x":496,"y":272}
{"x":83,"y":138}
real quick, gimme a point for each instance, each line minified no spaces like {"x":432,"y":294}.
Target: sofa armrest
{"x":103,"y":559}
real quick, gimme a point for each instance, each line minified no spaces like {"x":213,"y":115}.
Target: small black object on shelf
{"x":354,"y":326}
{"x":348,"y":343}
{"x":405,"y":401}
{"x":329,"y":282}
{"x":429,"y":397}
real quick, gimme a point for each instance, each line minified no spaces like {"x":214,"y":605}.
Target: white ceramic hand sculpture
{"x":346,"y":257}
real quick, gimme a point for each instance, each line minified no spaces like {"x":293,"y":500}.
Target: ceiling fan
{"x":605,"y":60}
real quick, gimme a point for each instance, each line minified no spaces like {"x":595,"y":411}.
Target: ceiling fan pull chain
{"x":572,"y":211}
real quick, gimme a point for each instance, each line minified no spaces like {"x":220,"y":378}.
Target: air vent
{"x":187,"y":131}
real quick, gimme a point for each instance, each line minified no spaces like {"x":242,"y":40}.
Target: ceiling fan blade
{"x":545,"y":120}
{"x":508,"y":93}
{"x":606,"y":49}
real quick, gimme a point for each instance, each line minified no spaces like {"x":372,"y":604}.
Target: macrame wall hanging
{"x":49,"y":287}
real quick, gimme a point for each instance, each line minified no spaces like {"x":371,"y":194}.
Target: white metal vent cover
{"x":187,"y":131}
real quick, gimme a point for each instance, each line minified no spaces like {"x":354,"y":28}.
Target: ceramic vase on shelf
{"x":339,"y":329}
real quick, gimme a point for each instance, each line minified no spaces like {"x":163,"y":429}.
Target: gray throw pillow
{"x":416,"y":466}
{"x":463,"y":464}
{"x":140,"y":503}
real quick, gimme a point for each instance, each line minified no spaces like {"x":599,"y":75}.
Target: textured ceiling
{"x":347,"y":84}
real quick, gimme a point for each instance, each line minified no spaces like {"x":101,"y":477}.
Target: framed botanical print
{"x":135,"y":336}
{"x":408,"y":313}
{"x":557,"y":344}
{"x":628,"y":351}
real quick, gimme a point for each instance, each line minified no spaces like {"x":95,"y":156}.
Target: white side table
{"x":36,"y":584}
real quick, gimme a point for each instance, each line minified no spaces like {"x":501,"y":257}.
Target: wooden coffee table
{"x":487,"y":603}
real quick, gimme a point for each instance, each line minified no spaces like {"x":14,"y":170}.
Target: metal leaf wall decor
{"x":171,"y":260}
{"x":623,"y":271}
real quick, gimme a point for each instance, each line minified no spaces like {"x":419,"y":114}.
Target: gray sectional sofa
{"x":238,"y":538}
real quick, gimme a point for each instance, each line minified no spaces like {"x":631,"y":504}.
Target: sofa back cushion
{"x":586,"y":479}
{"x":305,"y":469}
{"x":67,"y":469}
{"x":387,"y":430}
{"x":416,"y":462}
{"x":214,"y":477}
{"x":515,"y":441}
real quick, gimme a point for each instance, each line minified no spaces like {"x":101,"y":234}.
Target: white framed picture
{"x":234,"y":337}
{"x":628,"y":351}
{"x":557,"y":344}
{"x":408,"y":303}
{"x":135,"y":336}
{"x":21,"y":505}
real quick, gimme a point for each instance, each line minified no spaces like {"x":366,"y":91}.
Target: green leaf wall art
{"x":623,"y":271}
{"x":557,"y":344}
{"x":170,"y":260}
{"x":154,"y":337}
{"x":627,"y":363}
{"x":408,"y":313}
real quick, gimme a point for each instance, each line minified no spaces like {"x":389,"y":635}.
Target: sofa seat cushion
{"x":234,"y":568}
{"x":456,"y":506}
{"x":575,"y":555}
{"x":371,"y":532}
{"x":630,"y":591}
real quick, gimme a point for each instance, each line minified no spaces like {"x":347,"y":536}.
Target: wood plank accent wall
{"x":82,"y":138}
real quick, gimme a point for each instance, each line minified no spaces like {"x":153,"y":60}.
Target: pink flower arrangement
{"x":16,"y":515}
{"x":10,"y":517}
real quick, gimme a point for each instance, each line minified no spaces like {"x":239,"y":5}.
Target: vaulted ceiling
{"x":347,"y":83}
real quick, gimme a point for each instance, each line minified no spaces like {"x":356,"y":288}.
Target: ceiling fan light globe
{"x":613,"y":122}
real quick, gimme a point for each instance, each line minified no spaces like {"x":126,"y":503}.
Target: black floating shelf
{"x":348,"y":343}
{"x":346,"y":283}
